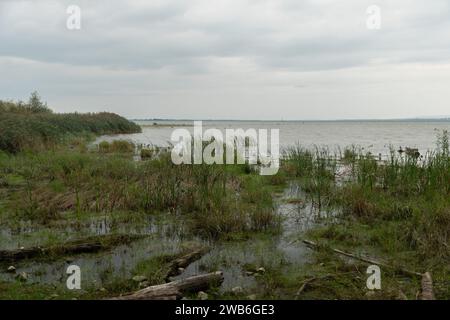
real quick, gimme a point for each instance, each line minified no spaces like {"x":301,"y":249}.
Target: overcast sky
{"x":230,"y":59}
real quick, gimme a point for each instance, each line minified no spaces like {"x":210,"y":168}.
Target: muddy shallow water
{"x":166,"y":235}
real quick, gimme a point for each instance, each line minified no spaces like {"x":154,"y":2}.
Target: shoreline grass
{"x":34,"y":127}
{"x":398,"y":209}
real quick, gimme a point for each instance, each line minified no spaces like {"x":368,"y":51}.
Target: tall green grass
{"x":316,"y":168}
{"x":409,"y":192}
{"x":33,"y":126}
{"x":215,"y":199}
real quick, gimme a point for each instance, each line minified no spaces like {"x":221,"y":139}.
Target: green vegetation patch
{"x":33,"y":126}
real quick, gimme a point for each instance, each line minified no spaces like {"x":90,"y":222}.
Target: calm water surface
{"x":373,"y":136}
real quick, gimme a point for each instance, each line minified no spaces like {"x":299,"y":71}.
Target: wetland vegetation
{"x":139,"y":214}
{"x":33,"y":126}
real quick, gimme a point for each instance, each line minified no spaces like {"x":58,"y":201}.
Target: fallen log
{"x":184,"y":261}
{"x":87,"y":245}
{"x":366,"y":259}
{"x":174,"y":290}
{"x":427,"y":287}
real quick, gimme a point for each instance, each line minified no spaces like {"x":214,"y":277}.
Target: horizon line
{"x":443,"y":118}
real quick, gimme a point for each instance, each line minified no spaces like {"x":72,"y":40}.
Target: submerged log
{"x":184,"y":261}
{"x":174,"y":290}
{"x":87,"y":245}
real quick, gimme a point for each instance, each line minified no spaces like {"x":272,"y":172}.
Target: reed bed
{"x":215,"y":199}
{"x":34,"y":127}
{"x":397,"y":208}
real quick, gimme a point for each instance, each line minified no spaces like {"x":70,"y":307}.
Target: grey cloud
{"x":118,"y":35}
{"x":171,"y":51}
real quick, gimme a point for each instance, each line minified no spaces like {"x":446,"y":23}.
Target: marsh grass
{"x":315,"y":168}
{"x":33,"y":126}
{"x":216,"y":199}
{"x":116,"y":146}
{"x":397,"y":209}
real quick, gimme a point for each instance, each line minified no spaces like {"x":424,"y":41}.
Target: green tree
{"x":36,"y":105}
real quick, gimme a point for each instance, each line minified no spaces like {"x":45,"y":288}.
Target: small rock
{"x":202,"y":295}
{"x":103,"y":289}
{"x":261,"y":270}
{"x":139,"y":278}
{"x":23,"y":276}
{"x":251,"y":297}
{"x":144,"y":284}
{"x":11,"y":269}
{"x":180,"y":270}
{"x":237,"y":290}
{"x":22,"y":248}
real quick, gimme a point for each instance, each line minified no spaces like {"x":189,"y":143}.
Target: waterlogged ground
{"x":240,"y":259}
{"x":245,"y":260}
{"x":160,"y":234}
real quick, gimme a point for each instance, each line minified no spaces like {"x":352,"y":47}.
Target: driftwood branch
{"x":427,"y":287}
{"x":366,"y":259}
{"x":173,"y":290}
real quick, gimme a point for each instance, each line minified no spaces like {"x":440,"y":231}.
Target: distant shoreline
{"x":337,"y":120}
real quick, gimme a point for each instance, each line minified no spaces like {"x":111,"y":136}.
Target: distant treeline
{"x":33,"y":125}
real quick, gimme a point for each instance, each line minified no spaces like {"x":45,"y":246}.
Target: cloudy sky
{"x":230,"y":59}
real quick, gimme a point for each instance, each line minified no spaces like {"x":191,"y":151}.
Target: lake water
{"x":373,"y":136}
